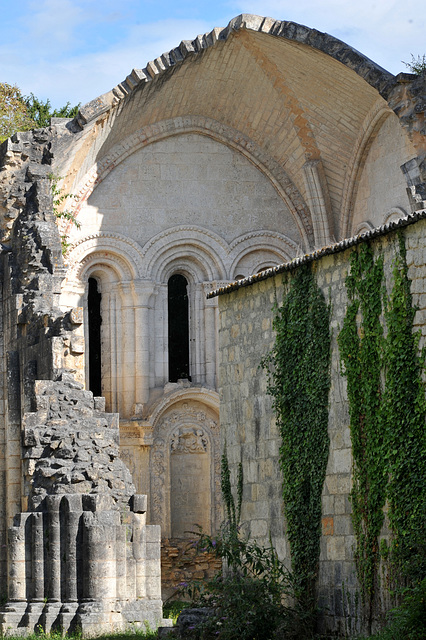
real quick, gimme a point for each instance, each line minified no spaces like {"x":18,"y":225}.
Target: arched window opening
{"x":178,"y":313}
{"x":95,"y":321}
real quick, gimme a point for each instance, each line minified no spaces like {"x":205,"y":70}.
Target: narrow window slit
{"x":95,"y":321}
{"x":178,"y":313}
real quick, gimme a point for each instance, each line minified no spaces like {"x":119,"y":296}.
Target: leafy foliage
{"x":405,"y":415}
{"x":299,"y":381}
{"x":248,"y":598}
{"x":172,"y":609}
{"x":20,"y":113}
{"x":361,"y":350}
{"x":408,"y":621}
{"x":59,"y":197}
{"x":233,"y":511}
{"x":14,"y":114}
{"x":417,"y":65}
{"x":41,"y":111}
{"x":387,"y":419}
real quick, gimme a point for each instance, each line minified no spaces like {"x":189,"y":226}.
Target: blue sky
{"x":75,"y":50}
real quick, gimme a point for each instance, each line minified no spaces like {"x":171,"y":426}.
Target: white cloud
{"x":51,"y":25}
{"x":83,"y":77}
{"x":75,"y":50}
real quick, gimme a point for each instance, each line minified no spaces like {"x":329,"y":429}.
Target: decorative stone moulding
{"x":330,"y":249}
{"x":212,"y":256}
{"x":185,"y":431}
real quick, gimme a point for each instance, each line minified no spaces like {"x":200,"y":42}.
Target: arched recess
{"x":194,"y":244}
{"x":202,"y":323}
{"x":373,"y":123}
{"x":114,"y":262}
{"x":124,"y":253}
{"x":201,"y":256}
{"x":218,"y":131}
{"x":250,"y":252}
{"x":185,"y":463}
{"x":394,"y":214}
{"x":178,"y":327}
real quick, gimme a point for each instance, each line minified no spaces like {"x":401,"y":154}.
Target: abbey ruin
{"x":248,"y":147}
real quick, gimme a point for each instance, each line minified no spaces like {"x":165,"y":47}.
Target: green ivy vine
{"x":299,"y":381}
{"x":361,"y":351}
{"x":405,"y":419}
{"x":387,"y":410}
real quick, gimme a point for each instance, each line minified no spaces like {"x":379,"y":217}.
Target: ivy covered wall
{"x":375,"y":433}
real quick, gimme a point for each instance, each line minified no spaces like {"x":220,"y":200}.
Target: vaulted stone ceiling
{"x":284,"y":95}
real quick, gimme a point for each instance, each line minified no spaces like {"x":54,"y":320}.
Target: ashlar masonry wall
{"x":248,"y":421}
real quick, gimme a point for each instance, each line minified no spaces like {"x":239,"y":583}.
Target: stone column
{"x":53,"y":549}
{"x":37,"y":556}
{"x":111,"y":299}
{"x":160,"y":339}
{"x":139,"y":542}
{"x":120,"y":538}
{"x":152,"y":535}
{"x":210,"y":337}
{"x":71,"y":542}
{"x":17,"y":586}
{"x":144,"y":290}
{"x":99,"y":538}
{"x":128,"y":347}
{"x":196,"y":333}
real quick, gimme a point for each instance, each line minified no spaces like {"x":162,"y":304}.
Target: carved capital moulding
{"x":188,"y":440}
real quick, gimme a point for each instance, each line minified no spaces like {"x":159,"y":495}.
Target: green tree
{"x":21,"y":113}
{"x":41,"y":111}
{"x":14,"y":115}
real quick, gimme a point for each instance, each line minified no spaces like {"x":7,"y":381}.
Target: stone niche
{"x":190,"y":500}
{"x":185,"y":471}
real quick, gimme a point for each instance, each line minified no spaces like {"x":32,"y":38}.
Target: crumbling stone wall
{"x":79,"y":551}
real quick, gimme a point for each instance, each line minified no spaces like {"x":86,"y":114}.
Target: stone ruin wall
{"x":248,"y":420}
{"x":79,"y":552}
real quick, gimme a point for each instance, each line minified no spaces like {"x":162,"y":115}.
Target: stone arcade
{"x":245,"y":148}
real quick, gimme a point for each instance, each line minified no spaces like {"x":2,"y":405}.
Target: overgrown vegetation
{"x":408,"y":621}
{"x":14,"y":114}
{"x":41,"y":111}
{"x":361,"y":350}
{"x":299,"y":381}
{"x":59,"y":198}
{"x":387,"y":420}
{"x":22,"y":113}
{"x":405,"y":419}
{"x":417,"y":64}
{"x":250,"y":599}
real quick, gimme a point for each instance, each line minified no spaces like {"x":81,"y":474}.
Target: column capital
{"x":144,"y":289}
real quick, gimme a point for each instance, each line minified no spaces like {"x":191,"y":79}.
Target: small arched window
{"x":178,"y":314}
{"x":95,"y":320}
